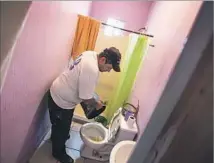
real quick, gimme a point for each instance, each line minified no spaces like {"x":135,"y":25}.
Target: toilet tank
{"x":125,"y":132}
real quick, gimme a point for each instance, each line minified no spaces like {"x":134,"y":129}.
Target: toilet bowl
{"x":94,"y":135}
{"x":98,"y":141}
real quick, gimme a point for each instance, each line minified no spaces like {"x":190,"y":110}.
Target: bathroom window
{"x":110,"y":31}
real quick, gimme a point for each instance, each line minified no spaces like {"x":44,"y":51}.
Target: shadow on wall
{"x":12,"y":16}
{"x":38,"y":129}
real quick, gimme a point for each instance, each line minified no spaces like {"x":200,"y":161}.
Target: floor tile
{"x":41,"y":144}
{"x":75,"y":141}
{"x":43,"y":154}
{"x":75,"y":155}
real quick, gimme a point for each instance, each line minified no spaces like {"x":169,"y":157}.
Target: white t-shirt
{"x":76,"y":83}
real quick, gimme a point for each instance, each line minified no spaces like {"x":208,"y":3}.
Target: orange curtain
{"x":85,"y":36}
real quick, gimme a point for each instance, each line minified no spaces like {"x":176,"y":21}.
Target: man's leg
{"x":61,"y":121}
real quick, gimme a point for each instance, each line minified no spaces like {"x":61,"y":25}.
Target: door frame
{"x":177,"y":82}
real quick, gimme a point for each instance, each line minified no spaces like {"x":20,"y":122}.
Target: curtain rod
{"x":128,"y":30}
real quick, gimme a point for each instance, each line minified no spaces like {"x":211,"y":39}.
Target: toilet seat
{"x":94,"y":130}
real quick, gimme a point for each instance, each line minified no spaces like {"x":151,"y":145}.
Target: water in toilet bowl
{"x":96,"y":138}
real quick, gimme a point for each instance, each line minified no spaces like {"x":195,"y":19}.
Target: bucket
{"x":92,"y":112}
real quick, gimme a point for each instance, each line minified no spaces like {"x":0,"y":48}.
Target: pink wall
{"x":41,"y":53}
{"x":170,"y":27}
{"x":134,"y":13}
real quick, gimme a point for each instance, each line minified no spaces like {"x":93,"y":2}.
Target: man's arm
{"x":92,"y":103}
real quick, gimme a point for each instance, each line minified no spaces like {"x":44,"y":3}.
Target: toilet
{"x":99,"y":141}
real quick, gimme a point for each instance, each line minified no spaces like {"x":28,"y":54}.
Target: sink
{"x":121,"y":151}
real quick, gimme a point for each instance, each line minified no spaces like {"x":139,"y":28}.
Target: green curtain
{"x":132,"y":62}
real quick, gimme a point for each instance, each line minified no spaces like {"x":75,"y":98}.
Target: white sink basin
{"x":121,"y":152}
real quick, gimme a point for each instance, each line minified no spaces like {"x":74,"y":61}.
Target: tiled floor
{"x":73,"y":145}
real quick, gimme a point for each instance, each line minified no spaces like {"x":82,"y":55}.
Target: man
{"x":76,"y":85}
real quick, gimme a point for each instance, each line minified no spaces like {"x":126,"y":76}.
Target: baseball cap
{"x":113,"y":56}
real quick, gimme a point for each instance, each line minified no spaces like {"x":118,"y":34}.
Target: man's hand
{"x":99,"y":105}
{"x":93,"y":111}
{"x":92,"y":103}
